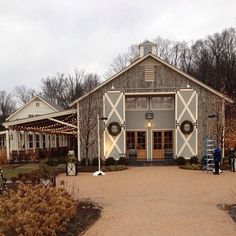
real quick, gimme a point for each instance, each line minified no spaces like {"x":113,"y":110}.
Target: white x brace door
{"x":186,"y":109}
{"x":114,"y":110}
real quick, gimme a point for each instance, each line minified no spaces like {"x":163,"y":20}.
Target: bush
{"x":83,"y":162}
{"x":36,"y":211}
{"x":95,"y":161}
{"x":110,"y":161}
{"x":191,"y":167}
{"x":180,"y":161}
{"x":114,"y":168}
{"x":193,"y":160}
{"x":122,"y":161}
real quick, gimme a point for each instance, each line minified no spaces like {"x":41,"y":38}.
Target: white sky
{"x":42,"y":37}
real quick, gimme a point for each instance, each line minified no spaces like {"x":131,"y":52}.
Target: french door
{"x":136,"y":141}
{"x":162,"y":144}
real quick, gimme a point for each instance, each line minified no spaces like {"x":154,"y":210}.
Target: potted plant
{"x":71,"y":168}
{"x":46,"y":177}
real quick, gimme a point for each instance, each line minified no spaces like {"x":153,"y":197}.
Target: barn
{"x":150,"y":111}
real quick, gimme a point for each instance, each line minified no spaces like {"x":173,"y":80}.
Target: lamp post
{"x":99,"y":172}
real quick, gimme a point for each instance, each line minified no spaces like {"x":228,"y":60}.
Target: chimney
{"x":146,"y":48}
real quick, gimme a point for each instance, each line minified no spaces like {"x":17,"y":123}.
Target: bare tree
{"x":90,"y":106}
{"x":7,"y":105}
{"x":23,"y":94}
{"x":63,"y":89}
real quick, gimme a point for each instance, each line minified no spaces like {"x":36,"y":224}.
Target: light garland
{"x":56,"y":128}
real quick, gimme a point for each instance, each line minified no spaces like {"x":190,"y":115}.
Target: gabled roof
{"x":54,"y":106}
{"x":162,"y":62}
{"x":147,"y":43}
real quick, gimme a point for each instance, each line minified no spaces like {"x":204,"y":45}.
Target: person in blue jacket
{"x":217,"y":159}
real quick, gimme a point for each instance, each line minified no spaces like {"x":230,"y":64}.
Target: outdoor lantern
{"x":71,"y":167}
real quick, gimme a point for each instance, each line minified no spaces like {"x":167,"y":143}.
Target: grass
{"x":11,"y":171}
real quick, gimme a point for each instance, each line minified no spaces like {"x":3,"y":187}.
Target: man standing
{"x":217,"y":159}
{"x":231,"y":159}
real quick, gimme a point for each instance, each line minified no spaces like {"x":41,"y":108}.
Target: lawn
{"x":11,"y":171}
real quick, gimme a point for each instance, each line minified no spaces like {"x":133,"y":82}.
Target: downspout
{"x":78,"y":135}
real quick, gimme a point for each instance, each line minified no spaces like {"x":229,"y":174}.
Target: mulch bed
{"x":87,"y":214}
{"x":232,"y":212}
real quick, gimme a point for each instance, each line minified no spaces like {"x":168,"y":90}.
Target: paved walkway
{"x":158,"y":201}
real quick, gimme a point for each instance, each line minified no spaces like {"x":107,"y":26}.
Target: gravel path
{"x":158,"y":201}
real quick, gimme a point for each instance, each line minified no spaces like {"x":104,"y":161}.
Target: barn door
{"x":114,"y":135}
{"x":186,"y":116}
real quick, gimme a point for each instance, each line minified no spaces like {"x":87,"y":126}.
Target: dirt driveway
{"x":158,"y":201}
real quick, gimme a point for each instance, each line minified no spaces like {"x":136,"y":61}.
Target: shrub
{"x":13,"y":179}
{"x":122,"y":161}
{"x":35,"y":210}
{"x":180,"y":161}
{"x":83,"y":162}
{"x":110,"y":161}
{"x":3,"y":157}
{"x":114,"y":168}
{"x":191,"y":167}
{"x":95,"y":161}
{"x":193,"y":160}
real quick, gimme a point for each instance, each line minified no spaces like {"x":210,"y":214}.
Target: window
{"x":141,"y":140}
{"x":31,"y":141}
{"x":2,"y":141}
{"x":44,"y":140}
{"x":162,"y":102}
{"x":168,"y":102}
{"x":130,"y":140}
{"x":131,"y":103}
{"x":147,"y":49}
{"x":30,"y":115}
{"x":141,"y":102}
{"x":37,"y":104}
{"x":168,"y":140}
{"x":136,"y":103}
{"x":37,"y":141}
{"x":157,"y":144}
{"x":156,"y":102}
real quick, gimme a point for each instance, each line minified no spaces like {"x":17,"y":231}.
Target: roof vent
{"x":146,"y":48}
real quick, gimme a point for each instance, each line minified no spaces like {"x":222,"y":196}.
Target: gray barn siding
{"x":166,"y":80}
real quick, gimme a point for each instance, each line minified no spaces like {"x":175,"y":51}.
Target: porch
{"x":34,"y":155}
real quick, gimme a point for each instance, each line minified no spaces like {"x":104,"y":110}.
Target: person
{"x":231,"y":159}
{"x":217,"y":159}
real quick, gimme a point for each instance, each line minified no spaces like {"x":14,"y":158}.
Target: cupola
{"x":146,"y":47}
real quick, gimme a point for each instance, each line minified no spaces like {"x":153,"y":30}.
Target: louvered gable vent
{"x":149,"y":74}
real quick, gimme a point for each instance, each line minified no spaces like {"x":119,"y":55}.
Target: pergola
{"x":60,"y":123}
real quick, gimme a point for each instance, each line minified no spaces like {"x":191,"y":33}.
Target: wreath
{"x":114,"y":128}
{"x":186,"y":127}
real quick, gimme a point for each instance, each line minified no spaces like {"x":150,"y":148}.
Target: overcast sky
{"x":39,"y":38}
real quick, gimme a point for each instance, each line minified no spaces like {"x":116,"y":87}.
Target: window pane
{"x":156,"y":102}
{"x":141,"y":103}
{"x":131,"y":103}
{"x":168,"y":102}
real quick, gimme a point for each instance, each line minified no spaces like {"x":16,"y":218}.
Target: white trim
{"x":124,"y":128}
{"x":149,"y":93}
{"x":62,"y":122}
{"x":8,"y":145}
{"x":162,"y":62}
{"x":26,"y":104}
{"x":3,"y":132}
